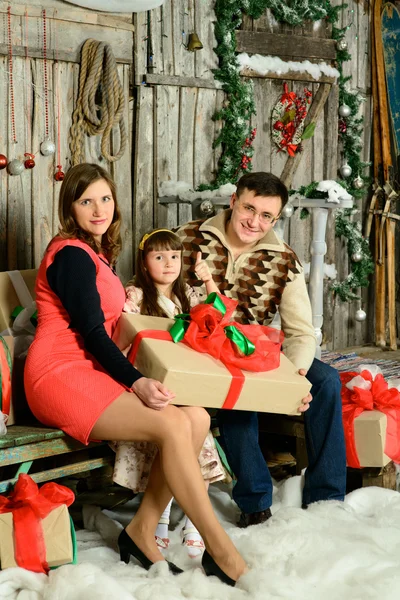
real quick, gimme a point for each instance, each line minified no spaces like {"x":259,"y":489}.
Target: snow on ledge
{"x":184,"y":191}
{"x":267,"y":64}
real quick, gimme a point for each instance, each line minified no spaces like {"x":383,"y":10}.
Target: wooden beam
{"x":65,"y":471}
{"x":51,"y":54}
{"x":278,"y":44}
{"x":72,"y":14}
{"x":197,"y":82}
{"x":312,"y":117}
{"x":289,"y":76}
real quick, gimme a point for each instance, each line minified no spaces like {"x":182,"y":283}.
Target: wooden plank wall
{"x":175,"y":127}
{"x":29,"y":202}
{"x":175,"y":130}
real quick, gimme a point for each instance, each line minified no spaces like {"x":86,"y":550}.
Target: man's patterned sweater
{"x":263,"y":280}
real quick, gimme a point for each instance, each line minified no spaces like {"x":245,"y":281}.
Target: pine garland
{"x":239,"y":107}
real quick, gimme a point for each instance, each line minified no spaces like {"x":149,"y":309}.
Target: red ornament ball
{"x":279,"y":126}
{"x":29,"y":163}
{"x":3,"y":161}
{"x":59,"y":176}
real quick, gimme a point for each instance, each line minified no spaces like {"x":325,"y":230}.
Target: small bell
{"x":194,"y":43}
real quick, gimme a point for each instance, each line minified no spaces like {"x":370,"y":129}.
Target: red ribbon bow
{"x":29,"y":505}
{"x":378,"y":397}
{"x":206,"y":333}
{"x":287,"y":96}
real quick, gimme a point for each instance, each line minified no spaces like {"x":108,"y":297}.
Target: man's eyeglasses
{"x":248,"y":211}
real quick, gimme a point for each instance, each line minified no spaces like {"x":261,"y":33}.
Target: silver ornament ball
{"x":206,"y":207}
{"x":345,"y":170}
{"x":341,"y":45}
{"x":15,"y":167}
{"x":361,"y":315}
{"x":287,"y":211}
{"x":47,"y":147}
{"x":357,"y":256}
{"x":344,"y":110}
{"x":358,"y":183}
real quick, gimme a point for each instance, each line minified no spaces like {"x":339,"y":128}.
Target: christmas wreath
{"x":288,"y":117}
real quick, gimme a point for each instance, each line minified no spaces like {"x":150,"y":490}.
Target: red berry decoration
{"x":59,"y":175}
{"x":29,"y":163}
{"x":279,"y":126}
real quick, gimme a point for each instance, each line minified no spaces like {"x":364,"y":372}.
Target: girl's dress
{"x":134,"y":459}
{"x":66,"y":386}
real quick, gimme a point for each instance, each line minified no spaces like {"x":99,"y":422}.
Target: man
{"x":252,"y":265}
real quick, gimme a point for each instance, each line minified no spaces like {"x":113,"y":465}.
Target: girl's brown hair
{"x":159,"y":240}
{"x":76,"y":181}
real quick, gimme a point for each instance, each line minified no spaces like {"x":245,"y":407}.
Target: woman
{"x":78,"y":380}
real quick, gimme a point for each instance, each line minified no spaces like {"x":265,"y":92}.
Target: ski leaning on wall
{"x":383,"y":203}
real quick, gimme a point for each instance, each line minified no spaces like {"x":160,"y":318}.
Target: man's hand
{"x":305,"y":401}
{"x":201,"y":269}
{"x":152,"y":393}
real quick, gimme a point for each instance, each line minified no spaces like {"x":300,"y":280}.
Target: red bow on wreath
{"x":288,"y":97}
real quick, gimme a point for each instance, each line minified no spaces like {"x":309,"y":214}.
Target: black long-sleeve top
{"x":72,"y":276}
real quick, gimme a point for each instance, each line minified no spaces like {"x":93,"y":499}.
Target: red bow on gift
{"x":207,"y":333}
{"x":377,"y":397}
{"x":29,"y":505}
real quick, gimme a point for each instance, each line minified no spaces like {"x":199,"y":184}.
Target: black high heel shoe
{"x":128,"y":548}
{"x":211,"y":568}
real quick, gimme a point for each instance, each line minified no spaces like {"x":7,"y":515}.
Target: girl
{"x":159,"y":290}
{"x":77,"y":379}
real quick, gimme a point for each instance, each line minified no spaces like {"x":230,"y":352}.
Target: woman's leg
{"x":157,"y":493}
{"x":176,"y":472}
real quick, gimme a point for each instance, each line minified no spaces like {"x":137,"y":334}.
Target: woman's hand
{"x":305,"y":401}
{"x":152,"y":393}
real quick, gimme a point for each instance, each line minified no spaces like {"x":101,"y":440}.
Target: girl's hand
{"x":152,"y":393}
{"x":201,"y":269}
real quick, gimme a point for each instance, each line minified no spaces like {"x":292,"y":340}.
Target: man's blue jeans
{"x":325,"y":477}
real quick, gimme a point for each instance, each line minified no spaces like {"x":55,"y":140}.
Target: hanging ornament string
{"x":59,"y":174}
{"x":29,"y":163}
{"x":11,"y":79}
{"x":47,"y":147}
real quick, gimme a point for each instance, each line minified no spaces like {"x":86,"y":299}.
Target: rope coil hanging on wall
{"x":98,"y":72}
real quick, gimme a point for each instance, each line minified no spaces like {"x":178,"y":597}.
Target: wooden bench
{"x":47,"y":454}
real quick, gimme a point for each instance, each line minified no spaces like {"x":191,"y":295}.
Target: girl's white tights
{"x":191,"y":538}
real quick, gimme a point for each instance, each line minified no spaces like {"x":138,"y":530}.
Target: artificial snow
{"x":273,"y":64}
{"x":330,"y":271}
{"x":185,"y":191}
{"x":335,"y":191}
{"x":332,"y":550}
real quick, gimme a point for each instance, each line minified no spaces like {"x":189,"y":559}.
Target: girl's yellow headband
{"x":147,"y":235}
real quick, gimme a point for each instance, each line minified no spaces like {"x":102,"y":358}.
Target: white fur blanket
{"x":332,"y":551}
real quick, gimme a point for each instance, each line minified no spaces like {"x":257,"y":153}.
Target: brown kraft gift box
{"x":57,"y":538}
{"x":8,"y":296}
{"x":199,"y":380}
{"x":370,"y":437}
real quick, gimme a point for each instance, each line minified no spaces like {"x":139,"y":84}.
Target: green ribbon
{"x":216,"y":302}
{"x":19,"y":309}
{"x":245,"y":346}
{"x":180,"y":327}
{"x":182,"y":323}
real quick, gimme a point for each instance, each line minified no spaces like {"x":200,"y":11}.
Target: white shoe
{"x":194,"y":548}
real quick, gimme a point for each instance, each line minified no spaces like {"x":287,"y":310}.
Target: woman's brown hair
{"x":159,"y":240}
{"x":76,"y":181}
